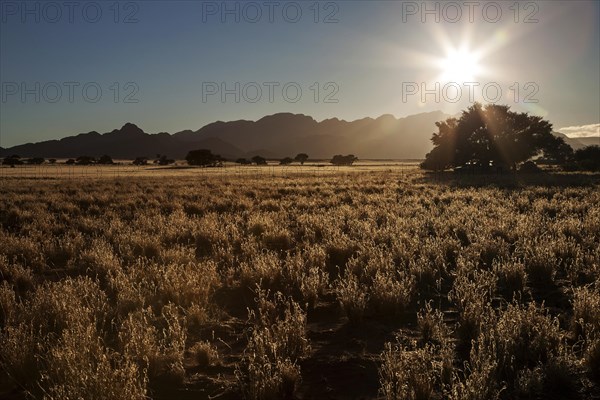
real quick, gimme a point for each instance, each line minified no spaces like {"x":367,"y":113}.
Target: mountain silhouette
{"x":126,"y":143}
{"x":273,"y":136}
{"x":579,"y":143}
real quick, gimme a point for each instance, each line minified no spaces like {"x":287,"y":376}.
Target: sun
{"x":460,"y":65}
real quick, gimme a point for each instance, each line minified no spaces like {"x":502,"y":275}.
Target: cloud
{"x":581,"y":131}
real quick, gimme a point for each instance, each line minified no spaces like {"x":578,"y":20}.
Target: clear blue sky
{"x":373,"y":55}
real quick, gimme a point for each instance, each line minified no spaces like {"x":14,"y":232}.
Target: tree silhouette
{"x":140,"y":161}
{"x":85,"y":160}
{"x":493,"y":134}
{"x":286,"y":161}
{"x":12,"y":160}
{"x":204,"y":158}
{"x":243,"y":161}
{"x":586,"y":159}
{"x":557,"y":151}
{"x":339,"y":159}
{"x":35,"y":161}
{"x":163,"y":160}
{"x":105,"y":160}
{"x":301,"y":158}
{"x":258,"y":160}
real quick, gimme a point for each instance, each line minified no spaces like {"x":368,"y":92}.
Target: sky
{"x":80,"y":66}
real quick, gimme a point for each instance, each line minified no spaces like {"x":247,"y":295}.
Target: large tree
{"x":493,"y":133}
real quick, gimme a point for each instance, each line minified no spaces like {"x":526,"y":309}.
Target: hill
{"x":273,"y":136}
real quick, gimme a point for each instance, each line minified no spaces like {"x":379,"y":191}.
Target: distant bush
{"x":286,"y":161}
{"x":343,"y":160}
{"x":140,"y":161}
{"x":105,"y":160}
{"x":85,"y":160}
{"x":258,"y":160}
{"x":301,"y":158}
{"x":164,"y":160}
{"x":243,"y":161}
{"x":35,"y":160}
{"x":204,"y":158}
{"x":12,"y":161}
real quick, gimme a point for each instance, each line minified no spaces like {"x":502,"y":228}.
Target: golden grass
{"x":122,"y":286}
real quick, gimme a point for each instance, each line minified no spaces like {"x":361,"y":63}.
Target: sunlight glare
{"x":460,"y":65}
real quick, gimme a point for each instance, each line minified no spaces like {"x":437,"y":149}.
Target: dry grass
{"x":136,"y":287}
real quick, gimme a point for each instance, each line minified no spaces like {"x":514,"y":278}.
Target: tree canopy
{"x":85,"y":160}
{"x":105,"y":159}
{"x":12,"y":160}
{"x":493,"y":134}
{"x":301,"y":158}
{"x":163,"y":160}
{"x":586,"y":159}
{"x":204,"y":158}
{"x":258,"y":160}
{"x":140,"y":161}
{"x":286,"y":161}
{"x":339,"y":159}
{"x":243,"y":161}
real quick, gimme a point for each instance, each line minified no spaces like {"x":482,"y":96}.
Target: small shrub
{"x":472,"y":294}
{"x":480,"y":381}
{"x":269,"y":369}
{"x":407,"y":373}
{"x":586,"y":312}
{"x":339,"y":251}
{"x":205,"y":354}
{"x":512,"y":278}
{"x":18,"y":361}
{"x":277,"y":241}
{"x":95,"y":373}
{"x":156,"y":344}
{"x":352,"y":296}
{"x":592,"y":360}
{"x":392,"y":292}
{"x":431,"y":325}
{"x":540,"y":265}
{"x":304,"y":276}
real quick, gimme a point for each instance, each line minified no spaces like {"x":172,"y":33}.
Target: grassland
{"x":316,"y":283}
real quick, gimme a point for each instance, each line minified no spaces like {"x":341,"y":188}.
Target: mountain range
{"x":273,"y":136}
